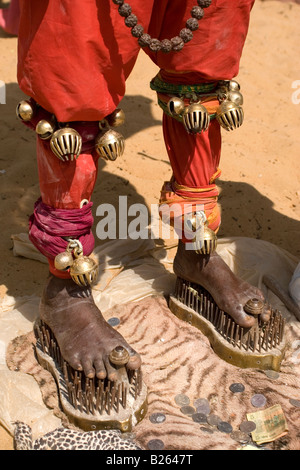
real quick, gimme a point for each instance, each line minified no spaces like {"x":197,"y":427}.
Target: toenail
{"x":101,"y":375}
{"x":112,"y":377}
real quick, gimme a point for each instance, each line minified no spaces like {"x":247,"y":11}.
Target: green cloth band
{"x":180,"y":90}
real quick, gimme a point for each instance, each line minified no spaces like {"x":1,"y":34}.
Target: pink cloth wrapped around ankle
{"x":48,"y":227}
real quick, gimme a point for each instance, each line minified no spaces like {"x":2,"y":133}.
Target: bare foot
{"x":84,"y":337}
{"x":228,"y":291}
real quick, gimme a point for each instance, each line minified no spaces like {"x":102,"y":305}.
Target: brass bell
{"x":195,"y":118}
{"x":176,"y":106}
{"x":233,"y":85}
{"x":84,"y":271}
{"x":235,"y":97}
{"x":25,"y":111}
{"x":45,"y":129}
{"x":110,"y":145}
{"x":116,"y":118}
{"x":230,"y":85}
{"x":66,"y":144}
{"x":230,"y":115}
{"x":63,"y":261}
{"x":208,"y":244}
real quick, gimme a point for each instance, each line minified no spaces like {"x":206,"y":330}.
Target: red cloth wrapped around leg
{"x":74,"y":59}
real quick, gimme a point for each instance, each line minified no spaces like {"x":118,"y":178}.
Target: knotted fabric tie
{"x":185,"y":200}
{"x":48,"y":228}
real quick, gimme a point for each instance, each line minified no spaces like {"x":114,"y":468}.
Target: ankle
{"x":56,"y":287}
{"x":189,"y":258}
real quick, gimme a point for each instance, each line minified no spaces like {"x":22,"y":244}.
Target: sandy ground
{"x":260,"y":185}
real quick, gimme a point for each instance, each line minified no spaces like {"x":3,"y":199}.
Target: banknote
{"x":270,"y":424}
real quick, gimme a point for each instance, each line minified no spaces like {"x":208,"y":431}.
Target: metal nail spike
{"x":262,"y":344}
{"x":96,"y":399}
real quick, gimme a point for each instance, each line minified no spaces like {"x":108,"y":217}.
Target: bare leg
{"x":228,"y":291}
{"x":84,"y":337}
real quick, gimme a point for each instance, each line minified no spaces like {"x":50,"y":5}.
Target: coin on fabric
{"x":295,"y":403}
{"x":114,"y":321}
{"x":247,"y":427}
{"x":225,"y":427}
{"x":202,"y":406}
{"x":155,"y":444}
{"x":157,"y":418}
{"x":187,"y":410}
{"x":237,"y":388}
{"x":272,"y":374}
{"x":258,"y":400}
{"x":213,"y":420}
{"x":182,"y":400}
{"x":199,"y":418}
{"x":240,"y":437}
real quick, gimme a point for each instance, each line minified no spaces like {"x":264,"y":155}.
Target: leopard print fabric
{"x":68,"y":439}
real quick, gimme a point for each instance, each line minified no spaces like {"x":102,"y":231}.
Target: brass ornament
{"x":66,"y":144}
{"x":63,"y":261}
{"x":205,"y":240}
{"x":110,"y":144}
{"x":84,"y":270}
{"x":230,"y":85}
{"x":229,"y":115}
{"x":116,"y":118}
{"x":235,"y":97}
{"x":175,"y":106}
{"x":233,"y":85}
{"x":195,"y":118}
{"x":254,"y":307}
{"x":25,"y":110}
{"x":208,"y":244}
{"x":45,"y":129}
{"x":119,"y":356}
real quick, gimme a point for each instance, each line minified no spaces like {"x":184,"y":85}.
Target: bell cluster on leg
{"x":66,"y":143}
{"x":110,"y":144}
{"x":83,"y":269}
{"x":195,"y":117}
{"x":25,"y":110}
{"x":230,"y":114}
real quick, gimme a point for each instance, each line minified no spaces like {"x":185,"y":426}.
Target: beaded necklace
{"x":166,"y":45}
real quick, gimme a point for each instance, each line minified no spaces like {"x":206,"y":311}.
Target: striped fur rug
{"x":178,"y":359}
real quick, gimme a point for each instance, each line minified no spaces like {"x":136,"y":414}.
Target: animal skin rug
{"x":178,"y":359}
